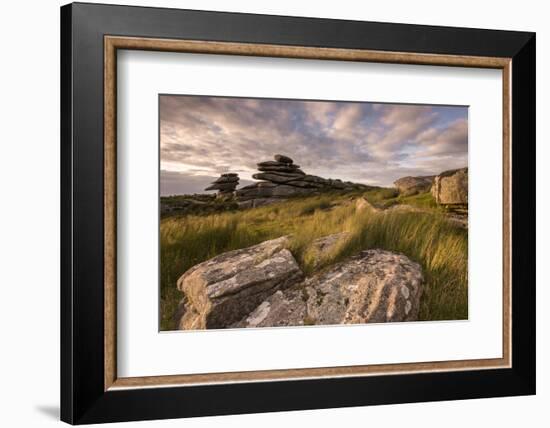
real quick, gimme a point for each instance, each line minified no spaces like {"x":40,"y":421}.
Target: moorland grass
{"x":426,"y":237}
{"x":385,"y":198}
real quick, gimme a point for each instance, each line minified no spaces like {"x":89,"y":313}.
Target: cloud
{"x":452,"y":139}
{"x":348,"y":117}
{"x":401,"y":126}
{"x":366,"y":142}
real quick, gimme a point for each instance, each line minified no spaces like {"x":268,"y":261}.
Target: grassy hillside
{"x":386,"y":198}
{"x":426,"y":237}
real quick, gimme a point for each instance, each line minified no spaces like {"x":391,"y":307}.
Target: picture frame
{"x":91,"y":390}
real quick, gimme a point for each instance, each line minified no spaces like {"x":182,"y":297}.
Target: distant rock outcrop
{"x":451,"y":187}
{"x":225,"y":184}
{"x":363,"y":203}
{"x":282,"y":178}
{"x":408,"y":186}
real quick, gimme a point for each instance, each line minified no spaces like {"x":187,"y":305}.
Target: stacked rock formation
{"x":282,"y":178}
{"x":225,"y":184}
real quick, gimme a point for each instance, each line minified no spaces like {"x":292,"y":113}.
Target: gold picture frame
{"x":114,"y":43}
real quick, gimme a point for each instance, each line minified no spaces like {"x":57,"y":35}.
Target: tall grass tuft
{"x":425,"y":237}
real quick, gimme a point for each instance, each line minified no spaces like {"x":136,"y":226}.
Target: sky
{"x":202,"y":137}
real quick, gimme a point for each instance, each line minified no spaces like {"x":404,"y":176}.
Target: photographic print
{"x":288,"y":212}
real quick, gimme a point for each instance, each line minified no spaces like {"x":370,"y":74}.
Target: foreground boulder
{"x":281,"y":309}
{"x":222,"y":290}
{"x":375,"y":286}
{"x":408,"y":186}
{"x":451,"y":187}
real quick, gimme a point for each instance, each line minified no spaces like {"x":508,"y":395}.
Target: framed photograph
{"x":266,"y":213}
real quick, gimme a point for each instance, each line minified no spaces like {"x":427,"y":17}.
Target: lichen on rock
{"x":262,"y":286}
{"x":451,"y":187}
{"x":220,"y":291}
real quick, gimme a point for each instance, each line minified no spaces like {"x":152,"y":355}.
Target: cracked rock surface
{"x":263,"y":286}
{"x":222,"y":290}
